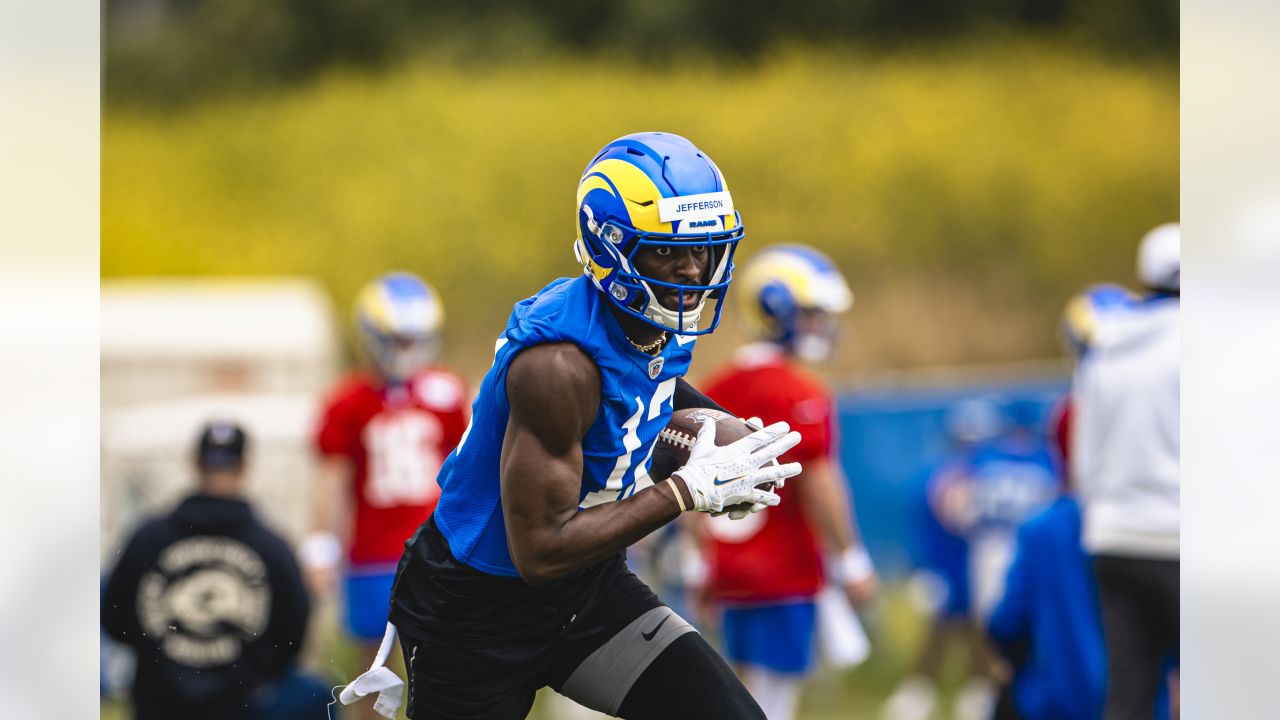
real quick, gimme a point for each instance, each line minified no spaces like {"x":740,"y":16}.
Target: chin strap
{"x":378,"y":679}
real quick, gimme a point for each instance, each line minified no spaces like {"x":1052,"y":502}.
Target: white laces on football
{"x":718,"y":477}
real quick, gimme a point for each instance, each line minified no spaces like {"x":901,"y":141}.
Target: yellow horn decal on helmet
{"x":730,"y":220}
{"x":639,"y":192}
{"x":1080,"y":317}
{"x":794,"y":274}
{"x":373,"y":304}
{"x":589,"y":183}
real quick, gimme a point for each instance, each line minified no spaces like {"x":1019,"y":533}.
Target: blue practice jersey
{"x":1012,"y":481}
{"x":999,"y":486}
{"x":1050,"y":604}
{"x":636,"y":391}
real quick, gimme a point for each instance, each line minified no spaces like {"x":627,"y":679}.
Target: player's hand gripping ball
{"x":727,"y":465}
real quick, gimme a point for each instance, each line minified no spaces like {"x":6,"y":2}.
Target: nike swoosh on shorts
{"x":649,"y":635}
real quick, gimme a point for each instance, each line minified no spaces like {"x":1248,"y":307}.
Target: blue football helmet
{"x":655,"y":189}
{"x":1080,"y":316}
{"x":791,"y":295}
{"x":398,"y":318}
{"x":973,"y":420}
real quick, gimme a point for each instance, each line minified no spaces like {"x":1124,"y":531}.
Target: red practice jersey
{"x":396,"y":438}
{"x":773,"y":554}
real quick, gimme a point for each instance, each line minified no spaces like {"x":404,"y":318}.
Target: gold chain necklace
{"x":648,"y":349}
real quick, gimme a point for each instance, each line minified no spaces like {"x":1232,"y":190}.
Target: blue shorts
{"x":368,"y":600}
{"x":775,"y":637}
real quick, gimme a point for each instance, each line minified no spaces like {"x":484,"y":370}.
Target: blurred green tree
{"x":966,"y":190}
{"x":167,"y":51}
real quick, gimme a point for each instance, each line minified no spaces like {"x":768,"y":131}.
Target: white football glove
{"x":721,"y":476}
{"x":740,"y":512}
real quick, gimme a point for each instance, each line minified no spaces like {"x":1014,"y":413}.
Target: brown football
{"x":671,"y":451}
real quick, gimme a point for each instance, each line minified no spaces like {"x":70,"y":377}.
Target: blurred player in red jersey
{"x":383,"y":435}
{"x":767,"y":568}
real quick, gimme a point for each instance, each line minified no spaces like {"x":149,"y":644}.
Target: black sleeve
{"x":290,"y":610}
{"x":687,"y":396}
{"x":119,"y":614}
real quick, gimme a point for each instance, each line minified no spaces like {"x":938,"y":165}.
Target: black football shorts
{"x":480,"y":646}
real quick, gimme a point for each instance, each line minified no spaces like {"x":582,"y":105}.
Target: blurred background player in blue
{"x":383,"y":435}
{"x":1125,"y":461}
{"x":1012,"y":479}
{"x":945,"y":512}
{"x":213,"y":603}
{"x":1047,"y":624}
{"x":768,"y":568}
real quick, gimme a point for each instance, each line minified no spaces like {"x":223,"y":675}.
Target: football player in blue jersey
{"x":518,"y":580}
{"x":971,"y":424}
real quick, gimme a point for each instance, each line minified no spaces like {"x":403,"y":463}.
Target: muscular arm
{"x":554,"y":393}
{"x":290,"y":610}
{"x":321,"y":551}
{"x":824,"y":500}
{"x":331,"y":509}
{"x":825,"y":503}
{"x":119,"y":614}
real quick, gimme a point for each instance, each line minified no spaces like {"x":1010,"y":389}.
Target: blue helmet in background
{"x":973,"y":420}
{"x":399,"y":318}
{"x":791,"y":295}
{"x":1081,"y":314}
{"x":655,"y":189}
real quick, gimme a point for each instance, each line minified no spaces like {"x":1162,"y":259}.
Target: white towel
{"x":378,"y":679}
{"x":841,"y":640}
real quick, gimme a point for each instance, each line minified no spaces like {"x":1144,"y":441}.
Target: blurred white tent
{"x":178,"y":352}
{"x":169,"y":338}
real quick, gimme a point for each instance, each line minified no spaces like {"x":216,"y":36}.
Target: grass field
{"x":966,"y":190}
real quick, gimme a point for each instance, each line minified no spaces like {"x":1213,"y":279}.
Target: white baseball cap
{"x":1159,"y":258}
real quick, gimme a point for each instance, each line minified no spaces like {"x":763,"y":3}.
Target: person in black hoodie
{"x":211,"y":600}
